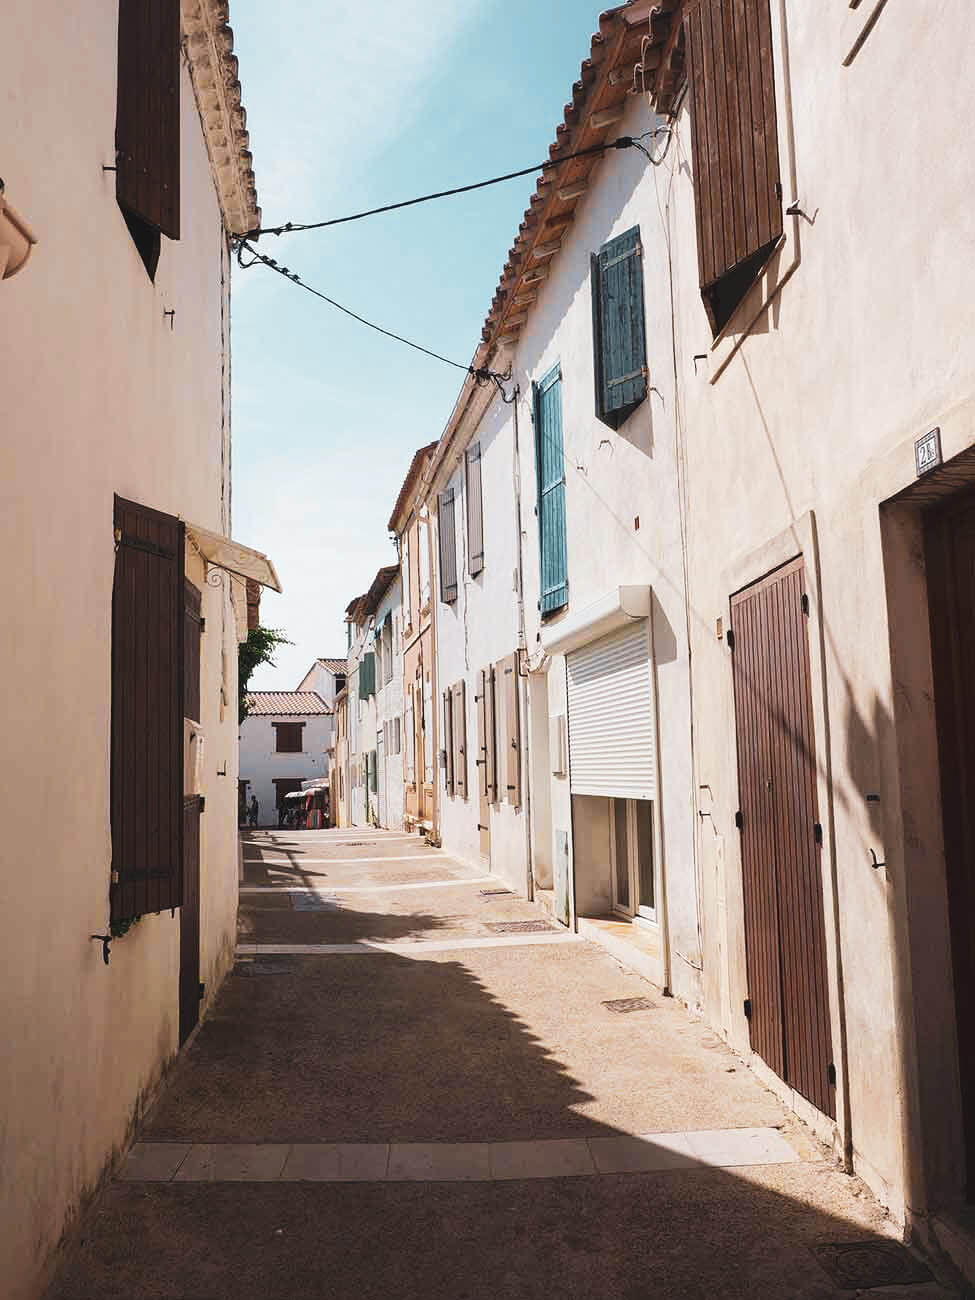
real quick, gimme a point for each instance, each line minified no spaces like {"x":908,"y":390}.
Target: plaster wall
{"x":389,"y":708}
{"x":475,"y":631}
{"x":793,"y":437}
{"x":321,"y":680}
{"x":260,"y":763}
{"x":101,"y":396}
{"x":362,"y":729}
{"x":622,"y":521}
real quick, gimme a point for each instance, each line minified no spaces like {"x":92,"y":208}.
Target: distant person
{"x":281,"y":815}
{"x":253,"y":811}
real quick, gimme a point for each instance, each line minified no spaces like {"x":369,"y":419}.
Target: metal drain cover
{"x":860,"y":1264}
{"x":253,"y":968}
{"x":520,"y":927}
{"x":311,"y":902}
{"x":494,"y":893}
{"x":624,"y":1005}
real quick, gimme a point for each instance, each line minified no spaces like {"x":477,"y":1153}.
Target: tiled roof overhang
{"x":396,"y":519}
{"x":213,"y":67}
{"x":635,"y":43}
{"x":380,"y":585}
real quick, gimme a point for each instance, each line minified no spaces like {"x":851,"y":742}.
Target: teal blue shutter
{"x":367,"y":676}
{"x":619,"y":328}
{"x":550,"y":469}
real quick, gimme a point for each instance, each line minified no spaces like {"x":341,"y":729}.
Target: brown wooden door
{"x":950,"y":538}
{"x":785,"y":935}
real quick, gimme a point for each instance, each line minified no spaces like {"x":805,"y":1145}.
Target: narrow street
{"x":401,"y":1093}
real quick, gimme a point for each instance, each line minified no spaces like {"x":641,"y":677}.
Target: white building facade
{"x":283,"y":743}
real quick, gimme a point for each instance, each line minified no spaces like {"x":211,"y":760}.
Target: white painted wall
{"x":100,"y":396}
{"x":475,"y":631}
{"x":321,"y":680}
{"x":260,"y":763}
{"x":389,"y":707}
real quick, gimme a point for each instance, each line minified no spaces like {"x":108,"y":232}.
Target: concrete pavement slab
{"x":439,"y":1161}
{"x":231,"y":1162}
{"x":565,"y":1158}
{"x":154,"y":1162}
{"x":625,"y":1153}
{"x":336,"y":1162}
{"x":740,"y":1146}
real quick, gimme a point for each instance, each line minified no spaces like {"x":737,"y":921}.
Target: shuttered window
{"x":367,"y":675}
{"x":147,"y":114}
{"x":448,"y":546}
{"x":618,"y":328}
{"x":458,"y":722}
{"x":475,"y":511}
{"x":410,"y":739}
{"x":288,"y":737}
{"x":511,"y":768}
{"x":147,"y":712}
{"x":388,"y":639}
{"x":738,"y":191}
{"x":550,"y":469}
{"x":612,"y":736}
{"x":192,"y":631}
{"x":448,"y":740}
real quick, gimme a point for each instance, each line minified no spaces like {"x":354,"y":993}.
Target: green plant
{"x":118,"y":928}
{"x":258,"y":649}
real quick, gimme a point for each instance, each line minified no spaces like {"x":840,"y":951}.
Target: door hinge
{"x":202,"y":990}
{"x":739,"y":820}
{"x":804,"y":602}
{"x":748,"y":1008}
{"x":482,"y":828}
{"x":203,"y":626}
{"x":203,"y":803}
{"x":778,"y":189}
{"x":730,"y":638}
{"x":831,"y":1075}
{"x":818,"y":832}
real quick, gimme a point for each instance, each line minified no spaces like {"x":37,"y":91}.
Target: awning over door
{"x":612,"y":735}
{"x":224,"y":553}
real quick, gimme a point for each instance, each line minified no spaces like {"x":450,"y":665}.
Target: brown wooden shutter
{"x":513,"y":736}
{"x":147,"y":712}
{"x":491,"y":723}
{"x":192,"y":631}
{"x":448,"y":546}
{"x":475,"y":511}
{"x":147,"y":116}
{"x":738,"y":193}
{"x":459,"y":720}
{"x":448,"y":735}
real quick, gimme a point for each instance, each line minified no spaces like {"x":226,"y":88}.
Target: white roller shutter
{"x":612,"y":740}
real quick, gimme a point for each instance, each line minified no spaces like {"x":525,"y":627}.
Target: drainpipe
{"x":526,"y":780}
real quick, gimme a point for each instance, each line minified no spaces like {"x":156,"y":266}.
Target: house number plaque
{"x":927,"y":452}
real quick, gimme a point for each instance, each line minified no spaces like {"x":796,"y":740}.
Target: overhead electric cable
{"x":482,"y":376}
{"x":622,"y":142}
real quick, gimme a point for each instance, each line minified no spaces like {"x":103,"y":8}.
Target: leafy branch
{"x":258,"y":649}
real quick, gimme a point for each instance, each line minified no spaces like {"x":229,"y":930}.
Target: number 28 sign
{"x":927,"y":452}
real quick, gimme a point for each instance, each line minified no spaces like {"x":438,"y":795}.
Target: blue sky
{"x":348,"y":107}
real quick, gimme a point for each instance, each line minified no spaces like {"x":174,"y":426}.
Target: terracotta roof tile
{"x":286,"y":704}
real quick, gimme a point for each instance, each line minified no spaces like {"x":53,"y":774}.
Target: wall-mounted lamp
{"x":16,"y":239}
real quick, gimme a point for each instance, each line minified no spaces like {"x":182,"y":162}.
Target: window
{"x":388,"y":637}
{"x":423,"y":545}
{"x":618,"y":328}
{"x":550,"y":471}
{"x":509,"y":772}
{"x":448,"y":547}
{"x":147,"y":123}
{"x":283,"y":786}
{"x":288,"y":737}
{"x":339,"y":683}
{"x":738,"y":191}
{"x":148,"y":693}
{"x":475,"y":516}
{"x":407,"y":589}
{"x":367,"y":676}
{"x":397,"y":736}
{"x":455,"y":738}
{"x":410,"y":739}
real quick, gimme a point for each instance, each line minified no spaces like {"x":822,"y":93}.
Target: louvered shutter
{"x":550,"y":468}
{"x":512,"y":706}
{"x":147,"y":115}
{"x":619,"y":328}
{"x":448,"y":546}
{"x":737,"y":192}
{"x":459,"y":718}
{"x":147,"y":712}
{"x":491,"y":726}
{"x":480,"y":699}
{"x":410,"y":739}
{"x":448,"y":734}
{"x":612,"y":736}
{"x":475,"y":511}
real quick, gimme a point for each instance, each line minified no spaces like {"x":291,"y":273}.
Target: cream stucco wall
{"x":791,"y":449}
{"x":101,"y":396}
{"x":389,"y":708}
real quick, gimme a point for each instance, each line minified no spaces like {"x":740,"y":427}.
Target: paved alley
{"x":413,"y":1085}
